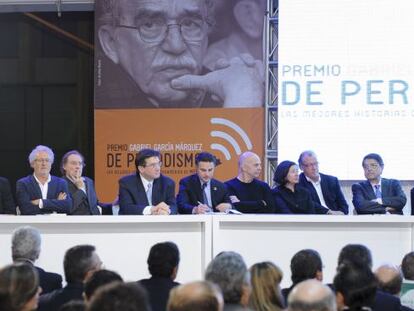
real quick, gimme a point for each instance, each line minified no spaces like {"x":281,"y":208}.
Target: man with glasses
{"x":161,"y":45}
{"x":42,"y":193}
{"x":147,"y":192}
{"x":377,"y":195}
{"x":325,"y":190}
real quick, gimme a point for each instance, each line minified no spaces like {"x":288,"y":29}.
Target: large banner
{"x":165,"y":73}
{"x":346,"y":83}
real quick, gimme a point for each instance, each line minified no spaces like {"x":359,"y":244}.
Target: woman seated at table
{"x":289,"y":197}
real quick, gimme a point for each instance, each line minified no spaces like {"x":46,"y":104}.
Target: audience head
{"x":306,"y":264}
{"x":205,"y":165}
{"x":26,"y":244}
{"x":72,"y":163}
{"x":41,"y":159}
{"x":286,"y":172}
{"x":355,"y":253}
{"x":308,"y":163}
{"x":196,"y":296}
{"x":265,"y":281}
{"x":73,"y":305}
{"x":250,"y":165}
{"x":120,"y":297}
{"x":98,"y":279}
{"x":311,"y":295}
{"x":19,"y":287}
{"x":229,"y":271}
{"x":163,"y":260}
{"x":407,"y":266}
{"x":389,"y":279}
{"x":373,"y":166}
{"x":355,"y":286}
{"x":80,"y":262}
{"x":148,"y":164}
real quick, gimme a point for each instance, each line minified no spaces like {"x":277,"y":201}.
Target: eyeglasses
{"x":370,"y":166}
{"x":315,"y":164}
{"x":43,"y":160}
{"x":155,"y":29}
{"x":154,"y":165}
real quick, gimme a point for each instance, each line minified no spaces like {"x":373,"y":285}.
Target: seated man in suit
{"x":163,"y":260}
{"x":325,"y":191}
{"x":26,"y":243}
{"x":147,"y":192}
{"x":42,"y":193}
{"x":200,"y":193}
{"x":247,"y":193}
{"x":81,"y":189}
{"x":377,"y":195}
{"x":79,"y":264}
{"x":7,"y":205}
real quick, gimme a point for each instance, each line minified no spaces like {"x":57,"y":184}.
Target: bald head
{"x":250,"y":166}
{"x":200,"y":296}
{"x":389,"y":279}
{"x":311,"y":295}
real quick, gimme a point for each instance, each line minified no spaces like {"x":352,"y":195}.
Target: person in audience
{"x":19,"y":287}
{"x":311,"y":295}
{"x":229,"y":271}
{"x":355,"y":287}
{"x":360,"y":255}
{"x":304,"y":265}
{"x":407,"y":288}
{"x":196,"y":296}
{"x":200,"y":193}
{"x":247,"y":193}
{"x":26,"y":242}
{"x":81,"y":188}
{"x":7,"y":205}
{"x":98,"y":279}
{"x":74,"y":305}
{"x":147,"y":192}
{"x":377,"y":195}
{"x":79,"y":263}
{"x":42,"y":193}
{"x":120,"y":297}
{"x":163,"y":260}
{"x":325,"y":190}
{"x":290,"y":198}
{"x":266,"y":295}
{"x":389,"y":279}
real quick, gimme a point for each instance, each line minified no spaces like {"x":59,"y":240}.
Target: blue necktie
{"x":149,"y":194}
{"x":203,"y":187}
{"x":378,"y":194}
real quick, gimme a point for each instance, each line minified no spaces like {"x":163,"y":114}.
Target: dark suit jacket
{"x":158,"y":289}
{"x":288,"y":202}
{"x":54,"y":300}
{"x":331,"y":191}
{"x":386,"y":302}
{"x":190,"y":193}
{"x":7,"y":205}
{"x":133,"y":198}
{"x":48,"y":281}
{"x":27,"y":190}
{"x":392,"y":196}
{"x":86,"y":203}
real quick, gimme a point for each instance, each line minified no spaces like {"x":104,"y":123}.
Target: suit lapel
{"x":156,"y":191}
{"x":35,"y":187}
{"x":213,"y":192}
{"x":384,"y":187}
{"x":324,"y":187}
{"x":196,"y":185}
{"x":142,"y":192}
{"x":369,"y":190}
{"x":52,"y":188}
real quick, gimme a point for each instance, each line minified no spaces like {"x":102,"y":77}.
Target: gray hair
{"x":229,"y":271}
{"x":41,"y":148}
{"x":306,"y":153}
{"x":110,"y":12}
{"x":26,"y":244}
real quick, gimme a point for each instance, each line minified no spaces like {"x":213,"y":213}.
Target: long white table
{"x":123,"y":242}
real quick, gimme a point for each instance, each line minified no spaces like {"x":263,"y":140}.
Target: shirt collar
{"x":38,"y":181}
{"x":313,"y":182}
{"x":145,"y":182}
